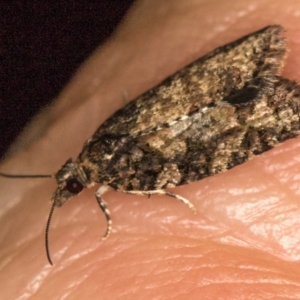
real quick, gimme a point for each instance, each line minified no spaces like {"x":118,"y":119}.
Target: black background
{"x":41,"y":47}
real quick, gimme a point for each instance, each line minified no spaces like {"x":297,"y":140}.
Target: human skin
{"x":244,"y":241}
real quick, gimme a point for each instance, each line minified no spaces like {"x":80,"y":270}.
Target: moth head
{"x":71,"y":180}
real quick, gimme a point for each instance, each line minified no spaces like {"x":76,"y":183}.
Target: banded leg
{"x":163,"y":192}
{"x":103,"y":189}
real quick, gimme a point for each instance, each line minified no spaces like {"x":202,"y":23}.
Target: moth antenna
{"x":52,"y":207}
{"x":27,"y":176}
{"x":47,"y":233}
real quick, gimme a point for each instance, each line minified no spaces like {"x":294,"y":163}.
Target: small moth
{"x":212,"y":115}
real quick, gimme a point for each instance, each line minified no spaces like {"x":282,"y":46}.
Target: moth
{"x":214,"y":114}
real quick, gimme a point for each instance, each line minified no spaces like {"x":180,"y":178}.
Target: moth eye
{"x":74,"y":186}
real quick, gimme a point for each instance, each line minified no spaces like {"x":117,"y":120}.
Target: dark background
{"x":41,"y":47}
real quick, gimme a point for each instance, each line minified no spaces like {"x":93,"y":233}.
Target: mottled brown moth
{"x":212,"y":115}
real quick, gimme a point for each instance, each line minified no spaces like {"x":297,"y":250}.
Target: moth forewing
{"x":210,"y":116}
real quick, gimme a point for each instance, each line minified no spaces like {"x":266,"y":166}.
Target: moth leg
{"x":163,"y":192}
{"x":103,"y":189}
